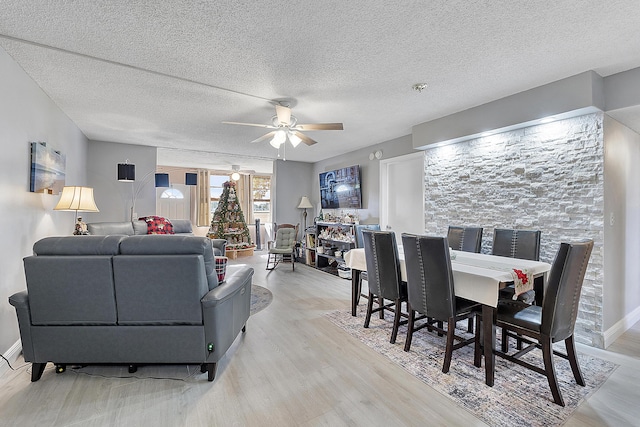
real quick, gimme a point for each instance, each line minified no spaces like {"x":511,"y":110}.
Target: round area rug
{"x":260,"y":298}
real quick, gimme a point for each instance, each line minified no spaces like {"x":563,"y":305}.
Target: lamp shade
{"x":79,"y":199}
{"x":162,"y":180}
{"x":191,"y":179}
{"x":305,"y":203}
{"x":126,"y":172}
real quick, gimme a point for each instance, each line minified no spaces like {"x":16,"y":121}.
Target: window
{"x":172,"y":193}
{"x":215,"y":188}
{"x":261,"y":198}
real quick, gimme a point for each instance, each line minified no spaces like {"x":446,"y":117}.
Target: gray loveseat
{"x":137,"y":300}
{"x":181,"y":227}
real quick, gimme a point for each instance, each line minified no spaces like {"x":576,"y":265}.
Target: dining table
{"x":477,"y":277}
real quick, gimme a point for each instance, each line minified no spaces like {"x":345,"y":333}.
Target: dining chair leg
{"x":381,"y":302}
{"x":359,"y":289}
{"x":550,"y":370}
{"x":505,"y":341}
{"x":410,"y":324}
{"x":573,"y":360}
{"x":396,"y":321}
{"x":470,"y":325}
{"x":448,"y":352}
{"x":367,"y":317}
{"x":477,"y":345}
{"x":441,"y":326}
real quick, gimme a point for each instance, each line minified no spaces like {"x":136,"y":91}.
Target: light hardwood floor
{"x":291,"y":368}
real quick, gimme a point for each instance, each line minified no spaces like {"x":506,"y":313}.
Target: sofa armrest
{"x":225,"y":310}
{"x":20,"y":301}
{"x":220,"y":245}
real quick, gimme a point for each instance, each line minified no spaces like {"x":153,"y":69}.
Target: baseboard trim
{"x":12,"y":355}
{"x":614,"y":332}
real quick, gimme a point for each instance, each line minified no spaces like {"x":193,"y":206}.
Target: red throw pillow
{"x":158,"y":225}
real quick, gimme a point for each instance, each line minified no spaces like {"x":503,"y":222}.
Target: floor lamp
{"x":78,"y":199}
{"x":304,"y":204}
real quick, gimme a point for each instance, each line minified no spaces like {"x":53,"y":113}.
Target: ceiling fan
{"x":286,"y":126}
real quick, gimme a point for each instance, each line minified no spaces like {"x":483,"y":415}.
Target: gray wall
{"x":113,"y":197}
{"x":292,"y":180}
{"x":27,"y":114}
{"x":621,"y":290}
{"x":369,"y":174}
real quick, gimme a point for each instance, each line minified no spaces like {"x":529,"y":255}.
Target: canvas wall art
{"x":47,"y":169}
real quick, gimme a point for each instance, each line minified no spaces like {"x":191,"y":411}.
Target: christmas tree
{"x":228,"y":220}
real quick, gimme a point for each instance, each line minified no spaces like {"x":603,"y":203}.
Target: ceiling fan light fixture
{"x":235,"y":176}
{"x":294,"y":139}
{"x":278,"y":139}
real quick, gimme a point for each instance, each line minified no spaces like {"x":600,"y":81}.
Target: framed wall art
{"x":47,"y":169}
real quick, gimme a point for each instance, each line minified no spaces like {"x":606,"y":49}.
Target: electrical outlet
{"x":612,"y":219}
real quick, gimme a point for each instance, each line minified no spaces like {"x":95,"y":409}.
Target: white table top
{"x":476,"y":277}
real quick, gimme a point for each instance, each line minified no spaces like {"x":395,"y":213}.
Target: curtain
{"x":204,"y":199}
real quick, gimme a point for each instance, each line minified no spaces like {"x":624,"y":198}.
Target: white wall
{"x":622,"y":228}
{"x":291,"y":181}
{"x":27,"y":114}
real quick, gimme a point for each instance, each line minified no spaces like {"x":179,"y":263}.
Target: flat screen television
{"x":341,"y":188}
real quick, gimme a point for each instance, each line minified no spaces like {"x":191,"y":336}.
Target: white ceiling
{"x":167,"y":73}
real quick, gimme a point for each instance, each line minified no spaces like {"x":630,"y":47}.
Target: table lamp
{"x":78,"y":199}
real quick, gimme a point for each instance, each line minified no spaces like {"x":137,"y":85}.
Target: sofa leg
{"x":133,"y":368}
{"x":36,"y":371}
{"x":211,"y":367}
{"x":203,"y":368}
{"x":244,"y":328}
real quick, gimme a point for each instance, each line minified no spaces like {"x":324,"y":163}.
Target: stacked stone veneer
{"x":547,"y":177}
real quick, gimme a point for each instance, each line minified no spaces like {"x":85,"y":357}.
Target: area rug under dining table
{"x":519,"y":397}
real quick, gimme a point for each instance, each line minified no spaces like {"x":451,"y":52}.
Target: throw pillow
{"x":221,"y":267}
{"x":158,"y":225}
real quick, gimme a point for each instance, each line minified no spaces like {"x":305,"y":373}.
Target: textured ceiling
{"x":167,"y":73}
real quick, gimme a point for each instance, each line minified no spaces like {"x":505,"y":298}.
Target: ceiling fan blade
{"x":284,"y":114}
{"x":321,"y":126}
{"x":264,"y":137}
{"x":249,"y":124}
{"x":305,"y":138}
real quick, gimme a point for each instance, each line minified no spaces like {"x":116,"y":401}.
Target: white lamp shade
{"x":77,"y":199}
{"x":295,"y":139}
{"x":278,"y":139}
{"x":305,"y":203}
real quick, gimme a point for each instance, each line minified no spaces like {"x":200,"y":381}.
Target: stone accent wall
{"x":548,"y":177}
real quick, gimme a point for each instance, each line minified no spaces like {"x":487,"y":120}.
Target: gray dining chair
{"x":385,"y":281}
{"x":431,"y":292}
{"x":360,"y":244}
{"x":554,"y":321}
{"x":467,"y":239}
{"x":521,"y":244}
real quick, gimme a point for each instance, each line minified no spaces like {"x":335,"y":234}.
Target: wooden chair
{"x":540,"y":327}
{"x":431,"y":292}
{"x":383,"y":270}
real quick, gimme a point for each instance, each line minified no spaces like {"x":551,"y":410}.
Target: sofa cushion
{"x":181,"y":226}
{"x":78,"y":245}
{"x":173,"y":245}
{"x":158,"y":225}
{"x":106,"y":228}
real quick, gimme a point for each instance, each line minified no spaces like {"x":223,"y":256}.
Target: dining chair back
{"x":383,"y":272}
{"x":522,"y":244}
{"x":467,"y":239}
{"x":554,"y":321}
{"x":431,"y":292}
{"x":359,"y":228}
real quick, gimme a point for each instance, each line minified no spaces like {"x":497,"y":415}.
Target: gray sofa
{"x":139,"y":227}
{"x":135,"y":300}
